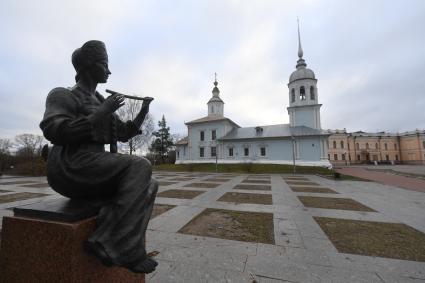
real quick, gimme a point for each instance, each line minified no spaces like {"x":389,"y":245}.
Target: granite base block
{"x":34,"y":250}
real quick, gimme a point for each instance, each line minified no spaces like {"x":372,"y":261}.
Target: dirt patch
{"x":19,"y":196}
{"x":313,"y":190}
{"x":166,"y":183}
{"x":202,"y":185}
{"x":390,"y":240}
{"x":219,"y":180}
{"x":39,"y":185}
{"x":247,"y":198}
{"x":159,"y":209}
{"x":232,"y":225}
{"x":253,"y":187}
{"x":256,"y":181}
{"x":333,"y":203}
{"x":180,"y":179}
{"x":182,"y":194}
{"x":301,"y":183}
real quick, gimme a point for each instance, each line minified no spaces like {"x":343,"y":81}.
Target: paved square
{"x":301,"y":250}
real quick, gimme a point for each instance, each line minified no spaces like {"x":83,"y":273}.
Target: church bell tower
{"x":304,"y":107}
{"x":215,"y":104}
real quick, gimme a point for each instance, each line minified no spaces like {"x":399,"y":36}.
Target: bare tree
{"x":5,"y":145}
{"x":128,"y":112}
{"x":29,"y":145}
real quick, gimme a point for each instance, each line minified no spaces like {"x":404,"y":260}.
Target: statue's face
{"x":100,"y":71}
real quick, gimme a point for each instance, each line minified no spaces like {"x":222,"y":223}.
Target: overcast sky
{"x":368,"y":57}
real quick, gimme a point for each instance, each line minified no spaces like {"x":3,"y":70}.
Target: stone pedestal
{"x":39,"y":250}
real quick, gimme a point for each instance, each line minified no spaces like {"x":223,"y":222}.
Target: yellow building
{"x":383,"y":148}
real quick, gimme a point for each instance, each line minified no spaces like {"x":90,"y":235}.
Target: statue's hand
{"x":112,"y":104}
{"x":145,"y":105}
{"x":109,"y":106}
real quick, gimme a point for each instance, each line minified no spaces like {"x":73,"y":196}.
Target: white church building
{"x":216,"y":138}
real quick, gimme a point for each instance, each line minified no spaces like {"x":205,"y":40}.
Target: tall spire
{"x":300,"y":49}
{"x":215,"y":91}
{"x":300,"y":62}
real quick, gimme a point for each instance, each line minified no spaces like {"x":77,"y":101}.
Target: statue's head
{"x":91,"y":59}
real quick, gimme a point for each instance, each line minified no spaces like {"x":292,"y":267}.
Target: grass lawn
{"x":242,"y":168}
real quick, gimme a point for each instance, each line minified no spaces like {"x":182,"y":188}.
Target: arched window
{"x":312,"y":94}
{"x":293,"y":95}
{"x":342,"y":144}
{"x":302,"y":93}
{"x":334,"y":143}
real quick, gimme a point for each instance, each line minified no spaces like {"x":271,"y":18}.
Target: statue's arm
{"x":62,"y":123}
{"x":130,"y":128}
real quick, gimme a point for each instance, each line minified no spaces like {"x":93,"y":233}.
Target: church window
{"x":312,"y":95}
{"x":213,"y":135}
{"x":302,"y":93}
{"x":342,"y":144}
{"x":376,"y":146}
{"x":358,"y":157}
{"x":386,"y":146}
{"x":423,"y":144}
{"x":202,"y":135}
{"x":335,"y":156}
{"x":293,"y":95}
{"x":329,"y":157}
{"x":387,"y":157}
{"x":396,"y":157}
{"x":231,"y":151}
{"x":263,"y":151}
{"x":212,"y":108}
{"x":367,"y":145}
{"x":201,"y":152}
{"x":348,"y":145}
{"x":357,"y":146}
{"x":213,"y":151}
{"x":349,"y":157}
{"x":343,"y":156}
{"x":246,"y":151}
{"x":178,"y":153}
{"x":334,"y":144}
{"x":395,"y":146}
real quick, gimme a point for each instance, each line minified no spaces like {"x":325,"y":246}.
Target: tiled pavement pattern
{"x":302,"y":251}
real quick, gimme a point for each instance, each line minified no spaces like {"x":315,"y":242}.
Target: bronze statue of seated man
{"x":78,"y":121}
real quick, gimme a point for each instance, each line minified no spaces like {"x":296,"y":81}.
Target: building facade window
{"x":202,"y":135}
{"x":358,"y":157}
{"x":213,"y":135}
{"x":376,"y":146}
{"x":201,"y":152}
{"x":423,"y":144}
{"x":386,"y":146}
{"x":342,"y":144}
{"x":293,"y":95}
{"x":367,"y":145}
{"x":231,"y":151}
{"x":213,"y":151}
{"x":387,"y":157}
{"x":329,"y":157}
{"x":343,"y":156}
{"x":348,"y":145}
{"x":302,"y":93}
{"x":263,"y":151}
{"x":178,"y":153}
{"x":246,"y":151}
{"x":312,"y":94}
{"x":334,"y":144}
{"x":357,"y":146}
{"x":396,"y":157}
{"x":335,"y":156}
{"x":395,"y":146}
